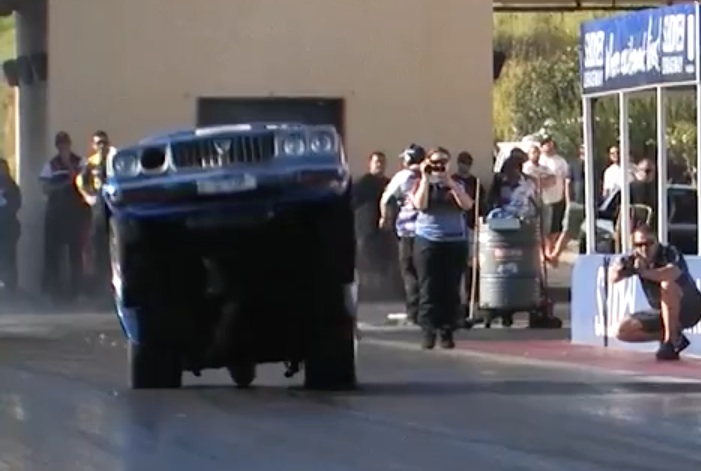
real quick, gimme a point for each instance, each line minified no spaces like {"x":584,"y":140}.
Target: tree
{"x":548,"y":96}
{"x":539,"y":89}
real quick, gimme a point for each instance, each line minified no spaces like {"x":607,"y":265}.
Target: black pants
{"x":439,"y":266}
{"x":63,"y":243}
{"x":410,"y":278}
{"x":8,"y":261}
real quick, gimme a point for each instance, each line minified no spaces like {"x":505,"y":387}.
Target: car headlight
{"x":294,"y":144}
{"x":125,"y":165}
{"x":322,"y":142}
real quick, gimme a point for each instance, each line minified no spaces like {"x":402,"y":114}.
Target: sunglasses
{"x":642,"y":245}
{"x":646,"y":171}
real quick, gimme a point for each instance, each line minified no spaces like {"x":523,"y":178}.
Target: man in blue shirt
{"x":10,"y":203}
{"x":65,"y":222}
{"x":396,"y":197}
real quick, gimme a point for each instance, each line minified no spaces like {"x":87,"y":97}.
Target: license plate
{"x":233,"y":184}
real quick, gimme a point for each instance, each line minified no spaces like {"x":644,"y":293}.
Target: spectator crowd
{"x":76,"y":259}
{"x":415,"y":231}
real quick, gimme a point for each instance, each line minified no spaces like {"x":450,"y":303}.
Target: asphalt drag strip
{"x":64,"y":406}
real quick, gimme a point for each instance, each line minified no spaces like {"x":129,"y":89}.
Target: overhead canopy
{"x":573,"y":5}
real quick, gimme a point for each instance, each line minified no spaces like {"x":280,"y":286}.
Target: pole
{"x":590,"y":196}
{"x":698,"y":166}
{"x":605,"y":313}
{"x":662,"y":219}
{"x":698,"y":130}
{"x":625,"y":171}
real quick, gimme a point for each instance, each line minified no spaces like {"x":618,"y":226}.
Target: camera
{"x":433,"y":168}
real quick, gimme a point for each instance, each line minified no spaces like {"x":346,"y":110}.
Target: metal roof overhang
{"x":9,"y":6}
{"x":579,"y":5}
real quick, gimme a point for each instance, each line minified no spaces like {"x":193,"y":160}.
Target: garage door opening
{"x":315,"y":111}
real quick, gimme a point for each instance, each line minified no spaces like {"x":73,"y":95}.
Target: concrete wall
{"x":31,"y":147}
{"x":410,"y":70}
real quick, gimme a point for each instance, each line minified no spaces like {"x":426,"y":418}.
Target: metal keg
{"x":510,"y":264}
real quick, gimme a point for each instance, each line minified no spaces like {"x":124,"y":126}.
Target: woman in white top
{"x":512,"y":191}
{"x":612,"y":175}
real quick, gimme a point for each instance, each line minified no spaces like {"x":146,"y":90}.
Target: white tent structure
{"x":651,"y":50}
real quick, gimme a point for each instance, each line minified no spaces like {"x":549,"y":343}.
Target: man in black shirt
{"x":670,"y":291}
{"x":472,"y":186}
{"x":643,"y":189}
{"x":374,"y":244}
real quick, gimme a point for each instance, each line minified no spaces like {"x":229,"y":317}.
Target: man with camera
{"x":670,"y":290}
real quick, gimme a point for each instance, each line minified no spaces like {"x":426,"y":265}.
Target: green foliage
{"x":7,"y":51}
{"x":539,"y":90}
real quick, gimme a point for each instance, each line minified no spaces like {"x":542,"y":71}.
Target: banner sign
{"x":649,"y":47}
{"x":591,"y":305}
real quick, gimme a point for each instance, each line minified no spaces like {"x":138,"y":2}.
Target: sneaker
{"x":667,"y":352}
{"x":429,"y":340}
{"x":447,"y":341}
{"x":681,"y":344}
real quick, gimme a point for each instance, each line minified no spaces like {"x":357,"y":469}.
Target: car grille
{"x":215,"y":152}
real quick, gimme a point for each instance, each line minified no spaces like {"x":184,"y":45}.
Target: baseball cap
{"x":414,"y":154}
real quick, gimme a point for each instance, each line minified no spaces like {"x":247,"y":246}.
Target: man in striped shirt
{"x":395,"y":197}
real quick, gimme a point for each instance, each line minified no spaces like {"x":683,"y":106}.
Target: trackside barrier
{"x":624,"y":298}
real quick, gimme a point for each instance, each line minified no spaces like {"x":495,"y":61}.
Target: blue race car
{"x":233,"y":246}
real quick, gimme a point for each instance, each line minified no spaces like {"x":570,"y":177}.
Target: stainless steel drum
{"x":510,"y":265}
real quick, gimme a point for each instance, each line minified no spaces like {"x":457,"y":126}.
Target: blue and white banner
{"x":648,"y":47}
{"x":590,"y":300}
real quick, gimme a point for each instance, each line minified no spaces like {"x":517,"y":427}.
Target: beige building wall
{"x":409,"y":70}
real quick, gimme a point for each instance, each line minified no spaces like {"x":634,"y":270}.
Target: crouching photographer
{"x":670,"y":290}
{"x":439,"y":247}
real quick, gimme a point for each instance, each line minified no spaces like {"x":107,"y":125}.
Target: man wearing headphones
{"x":395,"y":202}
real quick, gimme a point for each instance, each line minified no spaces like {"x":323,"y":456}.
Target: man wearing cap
{"x":64,"y":223}
{"x":395,"y":197}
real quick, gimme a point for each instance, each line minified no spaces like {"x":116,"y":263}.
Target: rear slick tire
{"x":243,"y":374}
{"x":153,"y":368}
{"x":330,"y":363}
